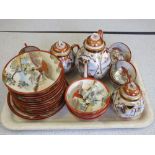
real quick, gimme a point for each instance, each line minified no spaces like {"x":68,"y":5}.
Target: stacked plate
{"x":36,"y":84}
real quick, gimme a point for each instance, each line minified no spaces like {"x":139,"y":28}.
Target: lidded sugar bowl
{"x":64,"y":52}
{"x":128,"y":101}
{"x":94,"y":56}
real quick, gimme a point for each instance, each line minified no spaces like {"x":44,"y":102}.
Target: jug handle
{"x":73,"y":47}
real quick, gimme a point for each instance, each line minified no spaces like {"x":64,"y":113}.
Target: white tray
{"x":65,"y":120}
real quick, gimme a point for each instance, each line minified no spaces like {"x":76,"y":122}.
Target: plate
{"x":22,"y":72}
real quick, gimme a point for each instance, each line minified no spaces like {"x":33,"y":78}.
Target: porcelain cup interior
{"x":117,"y":75}
{"x":119,"y":51}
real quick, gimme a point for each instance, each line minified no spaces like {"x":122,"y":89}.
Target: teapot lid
{"x":130,"y":91}
{"x":95,"y":42}
{"x":60,"y":48}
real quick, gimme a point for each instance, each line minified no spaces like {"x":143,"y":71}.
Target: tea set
{"x":38,"y":89}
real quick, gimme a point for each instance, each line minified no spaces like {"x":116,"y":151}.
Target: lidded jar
{"x":64,"y":52}
{"x":93,"y":55}
{"x":128,"y":101}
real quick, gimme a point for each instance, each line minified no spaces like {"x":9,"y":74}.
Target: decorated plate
{"x":31,"y":72}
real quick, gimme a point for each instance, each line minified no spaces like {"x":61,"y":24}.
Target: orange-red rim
{"x":87,"y":113}
{"x":38,"y":92}
{"x":37,"y":117}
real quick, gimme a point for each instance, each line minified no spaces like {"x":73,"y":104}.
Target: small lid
{"x":131,"y":91}
{"x":95,"y":42}
{"x":60,"y":48}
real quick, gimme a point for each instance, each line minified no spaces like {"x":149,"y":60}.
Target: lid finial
{"x":95,"y":36}
{"x":60,"y":44}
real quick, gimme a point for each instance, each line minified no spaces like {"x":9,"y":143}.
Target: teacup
{"x":120,"y":71}
{"x":119,"y":51}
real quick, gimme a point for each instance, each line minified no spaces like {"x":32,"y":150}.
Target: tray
{"x":65,"y":120}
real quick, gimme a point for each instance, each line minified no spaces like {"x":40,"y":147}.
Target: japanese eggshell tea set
{"x":37,"y":88}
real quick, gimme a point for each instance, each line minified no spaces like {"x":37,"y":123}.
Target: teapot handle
{"x":72,"y":48}
{"x":100,"y":32}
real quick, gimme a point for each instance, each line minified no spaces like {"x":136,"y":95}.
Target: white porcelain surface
{"x":127,"y":109}
{"x":97,"y":63}
{"x":67,"y":62}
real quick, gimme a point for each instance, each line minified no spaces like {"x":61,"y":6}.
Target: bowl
{"x":87,"y":98}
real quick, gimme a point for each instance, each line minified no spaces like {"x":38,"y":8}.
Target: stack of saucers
{"x":36,"y":84}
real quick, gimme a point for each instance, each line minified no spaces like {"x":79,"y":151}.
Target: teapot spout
{"x":85,"y":69}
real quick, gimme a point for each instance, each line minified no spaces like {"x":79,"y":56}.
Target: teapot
{"x":65,"y":54}
{"x":93,"y":56}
